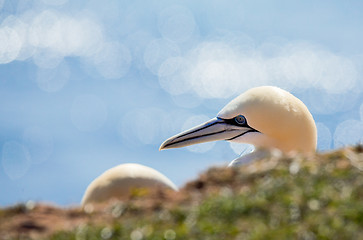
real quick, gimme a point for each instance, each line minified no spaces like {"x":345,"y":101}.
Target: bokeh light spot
{"x":223,"y":69}
{"x":158,"y":51}
{"x":136,"y":235}
{"x":169,"y":234}
{"x":49,"y":36}
{"x":216,"y":79}
{"x":187,"y":100}
{"x":176,"y":23}
{"x":324,"y":136}
{"x":106,"y":233}
{"x":44,"y":31}
{"x":320,"y":101}
{"x":113,"y":60}
{"x":349,"y":132}
{"x":142,"y":126}
{"x":45,"y":58}
{"x":39,"y":143}
{"x":18,"y":24}
{"x":55,"y":2}
{"x":173,"y":121}
{"x":216,"y":71}
{"x":88,"y":112}
{"x":137,"y":42}
{"x":53,"y":79}
{"x":15,"y":159}
{"x":172,"y":76}
{"x":10,"y":45}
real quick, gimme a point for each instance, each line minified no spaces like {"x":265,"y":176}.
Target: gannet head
{"x":265,"y":116}
{"x":118,"y":181}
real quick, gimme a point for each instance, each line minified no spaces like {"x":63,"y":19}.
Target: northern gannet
{"x":118,"y":181}
{"x":266,"y":117}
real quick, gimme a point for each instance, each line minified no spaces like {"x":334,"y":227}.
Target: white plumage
{"x":267,"y":117}
{"x":120,"y":180}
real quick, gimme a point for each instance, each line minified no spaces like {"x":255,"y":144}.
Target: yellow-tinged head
{"x":118,"y":181}
{"x":263,"y":116}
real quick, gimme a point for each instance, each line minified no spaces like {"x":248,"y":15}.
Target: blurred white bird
{"x":120,"y":180}
{"x":266,"y":117}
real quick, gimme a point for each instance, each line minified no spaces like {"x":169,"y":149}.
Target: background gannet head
{"x":263,"y":116}
{"x":118,"y":181}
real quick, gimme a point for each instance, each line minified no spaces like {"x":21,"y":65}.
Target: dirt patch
{"x":39,"y":220}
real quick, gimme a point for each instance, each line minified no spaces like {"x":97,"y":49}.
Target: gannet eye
{"x":240,"y":120}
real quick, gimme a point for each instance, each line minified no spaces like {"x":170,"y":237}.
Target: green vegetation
{"x":317,"y":197}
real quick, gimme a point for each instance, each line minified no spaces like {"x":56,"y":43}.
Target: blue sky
{"x":88,"y":85}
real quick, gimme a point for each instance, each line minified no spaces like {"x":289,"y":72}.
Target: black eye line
{"x":232,"y":121}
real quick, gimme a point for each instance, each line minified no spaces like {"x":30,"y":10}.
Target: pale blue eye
{"x":240,"y":119}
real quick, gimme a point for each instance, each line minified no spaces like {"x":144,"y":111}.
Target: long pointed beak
{"x":213,"y":130}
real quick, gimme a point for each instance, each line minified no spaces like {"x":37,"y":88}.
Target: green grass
{"x":297,"y":198}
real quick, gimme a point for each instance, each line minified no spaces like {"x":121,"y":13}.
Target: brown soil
{"x":39,"y":220}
